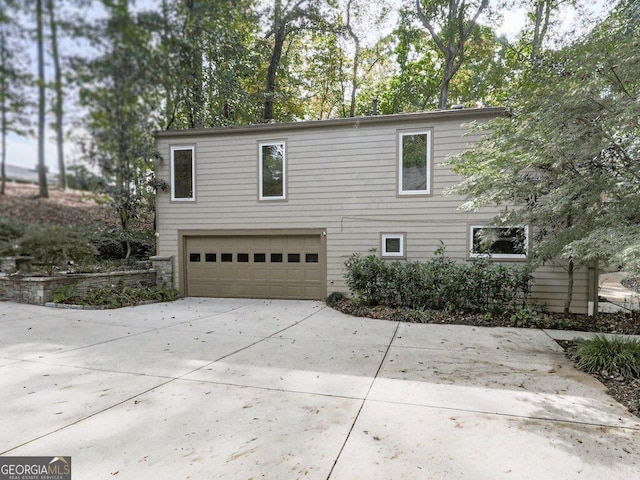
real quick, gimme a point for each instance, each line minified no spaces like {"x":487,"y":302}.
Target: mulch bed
{"x":624,"y":390}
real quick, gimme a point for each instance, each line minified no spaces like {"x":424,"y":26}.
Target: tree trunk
{"x":59,"y":113}
{"x":569,"y":298}
{"x":444,"y":93}
{"x":42,"y":169}
{"x":354,"y":81}
{"x":3,"y":109}
{"x":542,"y":16}
{"x":270,"y":90}
{"x":192,"y":63}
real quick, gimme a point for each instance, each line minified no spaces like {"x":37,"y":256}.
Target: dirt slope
{"x":72,"y":207}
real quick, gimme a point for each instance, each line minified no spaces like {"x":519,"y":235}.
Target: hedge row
{"x":439,"y":283}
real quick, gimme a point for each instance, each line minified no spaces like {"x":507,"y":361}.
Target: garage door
{"x":286,"y":266}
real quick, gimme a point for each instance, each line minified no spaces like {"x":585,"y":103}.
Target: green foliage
{"x":360,"y":310}
{"x":526,"y":317}
{"x":121,"y":295}
{"x":56,"y":246}
{"x":438,"y":284}
{"x":63,"y":294}
{"x":10,"y":232}
{"x":79,"y":177}
{"x":567,"y":157}
{"x":335,"y":298}
{"x":111,"y":244}
{"x":609,"y":356}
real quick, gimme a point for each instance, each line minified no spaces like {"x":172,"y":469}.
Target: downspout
{"x":593,"y":287}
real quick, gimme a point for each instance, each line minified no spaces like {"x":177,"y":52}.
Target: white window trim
{"x":192,"y":198}
{"x":500,"y":256}
{"x":386,"y":236}
{"x":261,"y":197}
{"x":427,"y":191}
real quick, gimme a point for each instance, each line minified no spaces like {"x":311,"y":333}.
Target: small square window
{"x":209,"y":257}
{"x":243,"y":257}
{"x":194,"y":257}
{"x":259,"y":258}
{"x":392,"y":245}
{"x":276,"y":258}
{"x":311,"y":258}
{"x":226,"y":257}
{"x":509,"y":242}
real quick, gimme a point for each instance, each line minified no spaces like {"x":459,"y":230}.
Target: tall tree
{"x":567,"y":157}
{"x":206,"y":54}
{"x":191,"y":60}
{"x":450,"y":23}
{"x":286,"y":19}
{"x":59,"y":94}
{"x":42,"y":168}
{"x":116,"y":92}
{"x":14,"y":83}
{"x":359,"y":18}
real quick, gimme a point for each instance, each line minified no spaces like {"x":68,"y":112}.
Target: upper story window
{"x":183,"y":179}
{"x":272,"y":171}
{"x":511,"y":242}
{"x":414,"y":163}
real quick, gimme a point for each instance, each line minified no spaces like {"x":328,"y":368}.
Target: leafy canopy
{"x":567,"y":155}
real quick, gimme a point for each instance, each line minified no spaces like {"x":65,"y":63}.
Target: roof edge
{"x":465,"y":113}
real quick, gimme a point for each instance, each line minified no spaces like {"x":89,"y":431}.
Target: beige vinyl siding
{"x":342,"y":178}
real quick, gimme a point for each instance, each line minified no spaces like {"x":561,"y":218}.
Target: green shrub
{"x":609,"y":356}
{"x":335,"y":298}
{"x":111,"y":243}
{"x":56,"y":246}
{"x":438,"y":284}
{"x":526,"y":317}
{"x":364,"y":277}
{"x":10,"y":232}
{"x":360,"y":310}
{"x":63,"y":294}
{"x":121,"y":295}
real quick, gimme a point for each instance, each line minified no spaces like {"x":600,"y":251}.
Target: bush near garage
{"x":439,"y":284}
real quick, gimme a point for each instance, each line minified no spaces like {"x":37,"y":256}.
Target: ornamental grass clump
{"x":609,"y":356}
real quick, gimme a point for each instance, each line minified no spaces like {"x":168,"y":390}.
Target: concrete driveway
{"x":249,"y":389}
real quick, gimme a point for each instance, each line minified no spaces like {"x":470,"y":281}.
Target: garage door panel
{"x":277,"y":266}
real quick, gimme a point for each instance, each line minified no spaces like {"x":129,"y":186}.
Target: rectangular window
{"x":392,"y":245}
{"x":509,"y":242}
{"x":311,"y":257}
{"x":194,"y":257}
{"x":209,"y":257}
{"x":276,"y":258}
{"x":414,"y":163}
{"x":293,"y":258}
{"x":259,"y":258}
{"x":243,"y":257}
{"x":183,"y":186}
{"x":226,"y":257}
{"x":272,"y":171}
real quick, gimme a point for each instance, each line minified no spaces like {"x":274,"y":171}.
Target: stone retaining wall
{"x":40,"y":290}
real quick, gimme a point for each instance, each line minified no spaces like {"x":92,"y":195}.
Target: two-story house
{"x":273,"y":210}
